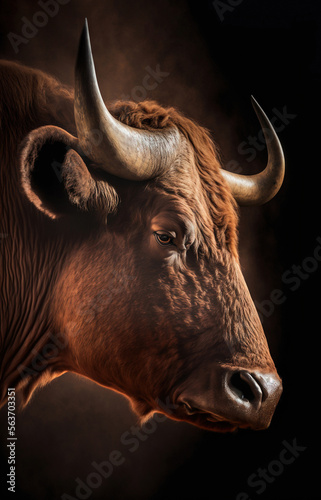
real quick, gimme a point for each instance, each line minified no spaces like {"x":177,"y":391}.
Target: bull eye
{"x":163,"y":238}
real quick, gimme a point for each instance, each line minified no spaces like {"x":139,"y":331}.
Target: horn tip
{"x":84,"y":55}
{"x":85,"y":30}
{"x":255,"y":104}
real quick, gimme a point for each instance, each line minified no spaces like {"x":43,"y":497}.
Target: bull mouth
{"x":208,"y":421}
{"x":210,"y":424}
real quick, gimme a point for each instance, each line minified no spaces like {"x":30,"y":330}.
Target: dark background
{"x":268,"y":48}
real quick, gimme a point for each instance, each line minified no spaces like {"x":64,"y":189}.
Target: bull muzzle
{"x":233,"y":398}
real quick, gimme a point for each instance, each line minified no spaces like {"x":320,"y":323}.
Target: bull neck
{"x":32,"y":256}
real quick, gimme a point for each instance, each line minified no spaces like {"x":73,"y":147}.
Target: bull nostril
{"x":240,"y":387}
{"x":244,"y":385}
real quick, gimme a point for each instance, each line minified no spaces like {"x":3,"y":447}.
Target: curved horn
{"x":260,"y":188}
{"x":121,"y":150}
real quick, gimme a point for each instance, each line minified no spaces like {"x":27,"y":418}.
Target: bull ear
{"x":54,"y":176}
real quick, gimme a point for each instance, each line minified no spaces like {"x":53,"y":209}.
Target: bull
{"x":119,"y":253}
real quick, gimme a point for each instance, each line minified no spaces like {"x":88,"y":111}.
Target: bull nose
{"x":251,"y":397}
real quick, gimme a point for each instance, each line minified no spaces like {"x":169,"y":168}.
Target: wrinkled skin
{"x":140,"y":281}
{"x":178,"y":316}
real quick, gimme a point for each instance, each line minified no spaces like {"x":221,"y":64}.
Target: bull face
{"x":153,"y":303}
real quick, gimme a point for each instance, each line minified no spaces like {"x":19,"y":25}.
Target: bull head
{"x":185,"y":327}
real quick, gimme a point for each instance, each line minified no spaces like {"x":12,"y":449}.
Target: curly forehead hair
{"x":205,"y":189}
{"x":40,"y":99}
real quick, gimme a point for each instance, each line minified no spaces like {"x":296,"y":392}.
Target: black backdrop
{"x":215,"y":54}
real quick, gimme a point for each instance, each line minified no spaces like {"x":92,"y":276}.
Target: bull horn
{"x":260,"y":188}
{"x":115,"y":147}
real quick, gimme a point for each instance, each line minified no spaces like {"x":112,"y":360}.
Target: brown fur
{"x":134,"y":317}
{"x":217,"y":212}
